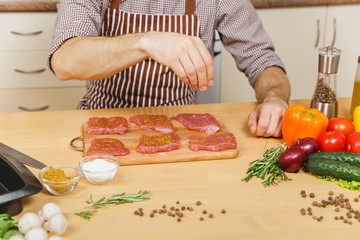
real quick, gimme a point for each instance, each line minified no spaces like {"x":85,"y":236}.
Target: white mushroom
{"x":28,"y":221}
{"x":48,"y":210}
{"x":36,"y":234}
{"x":56,"y":225}
{"x":55,"y":237}
{"x":17,"y":237}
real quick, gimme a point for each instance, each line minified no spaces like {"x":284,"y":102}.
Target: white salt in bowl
{"x":99,"y":169}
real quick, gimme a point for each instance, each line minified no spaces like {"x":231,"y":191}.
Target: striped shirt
{"x":237,"y":22}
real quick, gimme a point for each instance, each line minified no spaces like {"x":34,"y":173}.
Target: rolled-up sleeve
{"x":243,"y":35}
{"x":75,"y":18}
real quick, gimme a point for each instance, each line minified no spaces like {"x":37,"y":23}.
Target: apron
{"x":147,"y":83}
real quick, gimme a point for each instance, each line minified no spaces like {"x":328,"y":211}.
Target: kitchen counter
{"x":50,"y":5}
{"x":252,"y":211}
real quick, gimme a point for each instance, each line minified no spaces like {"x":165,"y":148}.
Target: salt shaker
{"x":324,"y":98}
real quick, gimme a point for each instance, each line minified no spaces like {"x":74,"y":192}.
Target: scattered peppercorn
{"x":183,"y":208}
{"x":177,"y":202}
{"x":337,"y":209}
{"x":151,"y":214}
{"x":211,"y":215}
{"x":141,"y":213}
{"x":201,"y":219}
{"x":356,"y":199}
{"x":164,"y":206}
{"x":302,"y":211}
{"x":154,"y":211}
{"x":198,"y":203}
{"x":136,"y":213}
{"x":204,"y":211}
{"x":223,"y":211}
{"x":312,"y":195}
{"x":172,"y":208}
{"x":331,"y":193}
{"x":179,"y":219}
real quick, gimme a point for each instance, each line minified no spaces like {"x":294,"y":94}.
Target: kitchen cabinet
{"x":297,"y":34}
{"x":26,"y":83}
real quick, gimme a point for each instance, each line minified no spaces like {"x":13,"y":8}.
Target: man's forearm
{"x":92,"y":58}
{"x":272,"y":84}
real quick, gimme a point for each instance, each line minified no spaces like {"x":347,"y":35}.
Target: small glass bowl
{"x":64,"y":187}
{"x":97,"y":170}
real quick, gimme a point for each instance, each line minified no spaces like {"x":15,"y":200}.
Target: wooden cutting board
{"x":132,"y":137}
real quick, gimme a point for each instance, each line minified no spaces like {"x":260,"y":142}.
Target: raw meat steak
{"x":158,"y":143}
{"x":216,"y":142}
{"x":199,"y":122}
{"x":160,"y":123}
{"x":107,"y":146}
{"x":112,"y":125}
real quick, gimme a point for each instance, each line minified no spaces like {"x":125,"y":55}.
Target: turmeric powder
{"x":55,"y":175}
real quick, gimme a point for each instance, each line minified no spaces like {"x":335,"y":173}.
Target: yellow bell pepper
{"x":357,"y":119}
{"x":300,"y":122}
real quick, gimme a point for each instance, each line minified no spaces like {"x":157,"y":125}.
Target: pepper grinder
{"x":324,"y":98}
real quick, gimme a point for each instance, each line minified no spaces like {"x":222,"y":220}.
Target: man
{"x":157,"y":52}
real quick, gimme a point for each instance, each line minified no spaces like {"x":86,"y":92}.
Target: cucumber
{"x":333,"y":168}
{"x":345,"y":157}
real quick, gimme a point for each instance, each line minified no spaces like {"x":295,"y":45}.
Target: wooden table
{"x":253,"y":212}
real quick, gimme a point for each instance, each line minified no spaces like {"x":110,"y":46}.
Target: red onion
{"x":292,"y":159}
{"x":308,"y":144}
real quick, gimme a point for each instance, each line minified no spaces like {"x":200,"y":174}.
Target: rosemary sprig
{"x":267,"y":165}
{"x":118,"y":199}
{"x":86,"y":214}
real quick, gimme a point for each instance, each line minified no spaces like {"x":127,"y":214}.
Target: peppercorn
{"x":356,"y":199}
{"x":302,"y":211}
{"x":312,"y":195}
{"x":211,"y":215}
{"x":136,"y":213}
{"x":337,"y":209}
{"x":179,"y":219}
{"x":198,"y":203}
{"x":141,"y":213}
{"x":154,"y":211}
{"x":177,"y":202}
{"x":223,"y":211}
{"x":172,"y":208}
{"x":183,"y":208}
{"x":204,"y":211}
{"x":151,"y":214}
{"x":164,"y":206}
{"x":201,"y":219}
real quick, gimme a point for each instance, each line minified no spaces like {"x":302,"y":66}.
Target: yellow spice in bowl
{"x":55,"y":175}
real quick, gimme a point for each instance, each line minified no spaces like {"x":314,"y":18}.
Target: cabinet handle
{"x":30,"y":72}
{"x":34,"y":109}
{"x":318,"y":33}
{"x":27,"y":34}
{"x":334,"y":37}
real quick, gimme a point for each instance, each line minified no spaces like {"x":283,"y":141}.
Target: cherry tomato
{"x":353,"y":142}
{"x":332,"y":141}
{"x":343,"y":125}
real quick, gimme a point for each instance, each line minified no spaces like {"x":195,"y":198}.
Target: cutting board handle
{"x":74,"y":140}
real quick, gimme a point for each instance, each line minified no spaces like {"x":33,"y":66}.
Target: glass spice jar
{"x":324,"y":98}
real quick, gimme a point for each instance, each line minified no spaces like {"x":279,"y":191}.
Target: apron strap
{"x":189,"y":8}
{"x":115,"y":4}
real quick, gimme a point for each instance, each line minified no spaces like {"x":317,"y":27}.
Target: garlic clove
{"x":36,"y":234}
{"x":48,"y":210}
{"x":17,"y":237}
{"x":28,"y":221}
{"x":57,"y":224}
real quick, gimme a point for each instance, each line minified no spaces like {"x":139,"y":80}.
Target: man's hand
{"x":187,"y":56}
{"x":266,"y":119}
{"x":272,"y":92}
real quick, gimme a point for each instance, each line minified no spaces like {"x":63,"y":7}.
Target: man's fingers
{"x":252,"y":121}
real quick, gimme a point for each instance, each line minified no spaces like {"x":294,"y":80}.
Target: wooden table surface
{"x":253,"y":212}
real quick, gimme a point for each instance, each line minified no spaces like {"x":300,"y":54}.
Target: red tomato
{"x":353,"y":142}
{"x":343,"y":125}
{"x":332,"y":141}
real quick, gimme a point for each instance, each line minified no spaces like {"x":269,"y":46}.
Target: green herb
{"x":118,"y":199}
{"x":86,"y":214}
{"x":267,"y":165}
{"x":351,"y":185}
{"x":8,"y":227}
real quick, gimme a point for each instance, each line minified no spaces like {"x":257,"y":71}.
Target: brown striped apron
{"x":147,"y":83}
